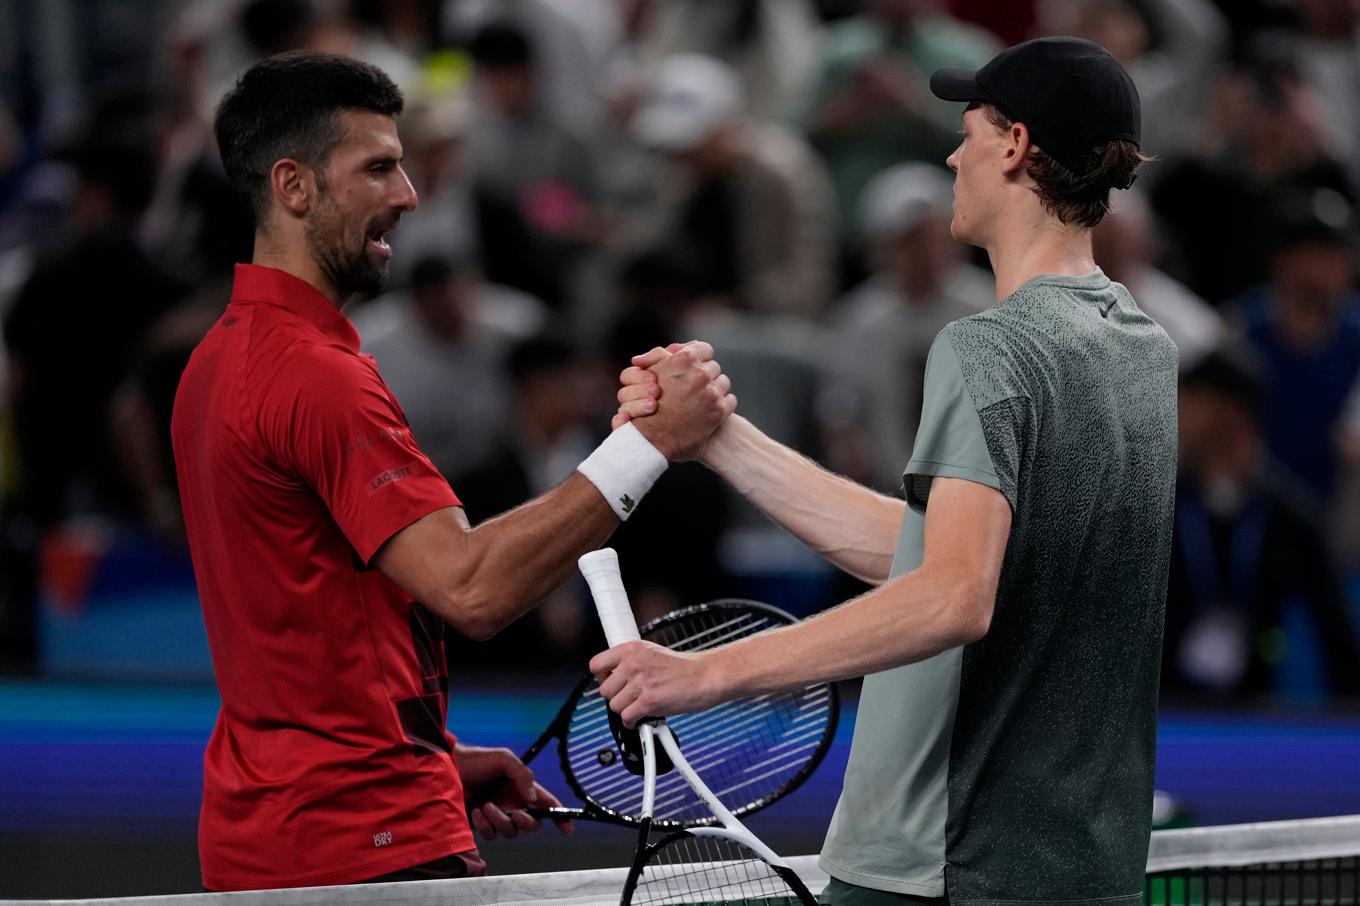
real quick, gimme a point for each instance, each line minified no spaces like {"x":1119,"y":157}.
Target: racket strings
{"x":747,"y":751}
{"x":708,"y":869}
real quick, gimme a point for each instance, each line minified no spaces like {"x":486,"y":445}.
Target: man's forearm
{"x":850,"y":525}
{"x":945,"y":603}
{"x":914,"y":617}
{"x":513,"y":561}
{"x":482,"y":579}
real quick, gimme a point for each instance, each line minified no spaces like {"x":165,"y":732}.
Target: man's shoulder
{"x":980,"y":335}
{"x":994,"y":351}
{"x":282,"y":357}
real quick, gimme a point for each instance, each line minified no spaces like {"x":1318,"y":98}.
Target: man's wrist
{"x":646,"y":427}
{"x":720,"y":451}
{"x":722,"y":674}
{"x":623,"y":468}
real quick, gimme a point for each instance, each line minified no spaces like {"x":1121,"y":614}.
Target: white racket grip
{"x":601,"y":569}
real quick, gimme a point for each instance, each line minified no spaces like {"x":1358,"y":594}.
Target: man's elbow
{"x":971,"y":608}
{"x":473,"y":614}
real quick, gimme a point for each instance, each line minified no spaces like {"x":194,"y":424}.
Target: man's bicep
{"x":967,"y":527}
{"x":422,"y":557}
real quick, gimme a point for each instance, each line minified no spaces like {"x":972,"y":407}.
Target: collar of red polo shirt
{"x":271,"y":286}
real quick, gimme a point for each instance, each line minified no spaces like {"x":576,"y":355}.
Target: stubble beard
{"x":347,"y":263}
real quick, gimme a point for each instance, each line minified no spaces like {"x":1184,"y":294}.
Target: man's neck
{"x":295,"y":261}
{"x":1028,"y":247}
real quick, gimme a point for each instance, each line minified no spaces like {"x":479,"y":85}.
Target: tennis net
{"x":1278,"y":863}
{"x":1314,"y":862}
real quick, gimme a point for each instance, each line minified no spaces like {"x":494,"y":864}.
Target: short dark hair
{"x":289,"y":106}
{"x":1081,"y":198}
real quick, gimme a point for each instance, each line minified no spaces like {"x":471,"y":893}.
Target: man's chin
{"x":365,"y":284}
{"x":960,"y":232}
{"x":375,"y":278}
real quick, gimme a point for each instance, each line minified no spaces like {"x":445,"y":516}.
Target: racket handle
{"x":601,"y":569}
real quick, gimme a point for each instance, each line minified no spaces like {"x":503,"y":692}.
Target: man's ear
{"x":293,"y":185}
{"x":1016,"y":149}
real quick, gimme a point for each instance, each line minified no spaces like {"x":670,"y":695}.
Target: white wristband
{"x":624,"y":467}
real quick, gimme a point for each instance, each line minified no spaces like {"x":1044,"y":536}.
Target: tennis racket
{"x":750,"y":752}
{"x":718,"y":861}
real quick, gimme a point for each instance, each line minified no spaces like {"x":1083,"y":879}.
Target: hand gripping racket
{"x":722,"y":861}
{"x":750,"y":752}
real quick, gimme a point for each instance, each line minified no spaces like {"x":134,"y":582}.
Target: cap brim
{"x":956,"y":85}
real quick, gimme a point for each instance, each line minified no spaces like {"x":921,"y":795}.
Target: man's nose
{"x":406,"y":198}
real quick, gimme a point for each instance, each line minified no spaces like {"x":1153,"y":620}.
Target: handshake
{"x":677,"y":397}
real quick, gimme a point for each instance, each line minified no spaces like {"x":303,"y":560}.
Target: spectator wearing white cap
{"x":883,"y":328}
{"x":752,"y":200}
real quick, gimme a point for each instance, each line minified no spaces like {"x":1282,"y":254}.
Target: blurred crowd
{"x":600,"y":176}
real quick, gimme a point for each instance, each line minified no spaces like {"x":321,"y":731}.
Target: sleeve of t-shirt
{"x":950,"y":442}
{"x":336,"y":425}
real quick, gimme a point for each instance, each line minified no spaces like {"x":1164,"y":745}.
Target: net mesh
{"x":1283,"y":863}
{"x":1324,"y":882}
{"x":746,"y":751}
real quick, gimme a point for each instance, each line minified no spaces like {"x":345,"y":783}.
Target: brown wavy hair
{"x":1077,"y":199}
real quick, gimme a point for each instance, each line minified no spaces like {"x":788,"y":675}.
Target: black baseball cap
{"x":1070,"y":93}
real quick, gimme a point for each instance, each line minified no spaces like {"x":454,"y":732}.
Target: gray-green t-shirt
{"x":1020,"y":767}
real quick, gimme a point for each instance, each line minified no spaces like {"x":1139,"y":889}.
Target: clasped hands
{"x":677,"y":396}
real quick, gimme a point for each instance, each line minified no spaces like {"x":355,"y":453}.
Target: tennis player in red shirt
{"x":316,"y":524}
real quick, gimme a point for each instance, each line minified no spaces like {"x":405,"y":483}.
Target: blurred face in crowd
{"x":978,"y":177}
{"x":435,"y":164}
{"x":445,"y":305}
{"x":1312,"y":281}
{"x":435,"y":137}
{"x":1220,"y":438}
{"x":509,"y":89}
{"x":918,"y":259}
{"x":1116,"y":25}
{"x":362,"y":191}
{"x":1321,"y":271}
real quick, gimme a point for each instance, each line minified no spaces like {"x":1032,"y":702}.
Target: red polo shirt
{"x":329,"y":762}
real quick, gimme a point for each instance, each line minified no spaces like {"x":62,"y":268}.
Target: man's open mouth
{"x":377,"y":238}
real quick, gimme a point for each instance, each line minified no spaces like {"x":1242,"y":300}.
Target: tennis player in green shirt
{"x":1004,"y":745}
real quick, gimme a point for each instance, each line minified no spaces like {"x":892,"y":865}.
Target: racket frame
{"x":731,"y":828}
{"x":594,"y":811}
